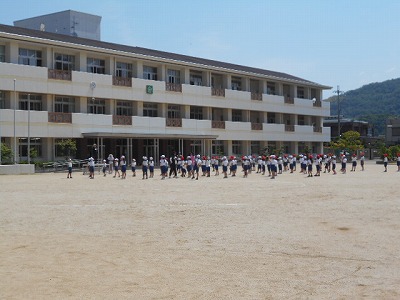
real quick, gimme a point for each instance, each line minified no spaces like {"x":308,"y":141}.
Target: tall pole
{"x":338,"y":92}
{"x":29,"y":129}
{"x":15,"y":135}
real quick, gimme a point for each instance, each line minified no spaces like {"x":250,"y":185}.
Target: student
{"x":246,"y":166}
{"x":151,"y":167}
{"x":216,"y":165}
{"x":116,"y":168}
{"x":310,"y":166}
{"x":69,"y":168}
{"x":274,"y":166}
{"x":234,"y":166}
{"x":172,"y":165}
{"x":333,"y":162}
{"x":290,"y":161}
{"x":91,"y":168}
{"x":208,"y":166}
{"x":104,"y":167}
{"x":280,"y":165}
{"x":385,"y":161}
{"x":133,"y":167}
{"x":225,"y":163}
{"x":110,"y":159}
{"x":145,"y":165}
{"x":189,"y":166}
{"x":353,"y":163}
{"x":123,"y":167}
{"x":398,"y":162}
{"x":318,"y":165}
{"x":197,"y":166}
{"x":163,"y":163}
{"x":362,"y":161}
{"x":344,"y":164}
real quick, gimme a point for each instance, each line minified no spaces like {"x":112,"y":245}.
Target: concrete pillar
{"x":227,"y":81}
{"x":263,"y":86}
{"x":161,"y":72}
{"x":81,"y":105}
{"x":138,"y":72}
{"x":140,"y":109}
{"x":12,"y":52}
{"x":47,"y":57}
{"x":227,"y":112}
{"x":47,"y":103}
{"x":206,"y":78}
{"x":186,"y":111}
{"x":294,"y":91}
{"x":111,"y":107}
{"x":279,"y":89}
{"x":185,"y":76}
{"x":245,"y":84}
{"x":110,"y":66}
{"x":163,"y":110}
{"x":81,"y":62}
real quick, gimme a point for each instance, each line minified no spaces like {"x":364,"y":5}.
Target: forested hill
{"x":374,"y":102}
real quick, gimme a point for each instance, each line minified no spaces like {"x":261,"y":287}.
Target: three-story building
{"x":136,"y":101}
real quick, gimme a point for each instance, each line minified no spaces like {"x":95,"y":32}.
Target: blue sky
{"x":348,"y":43}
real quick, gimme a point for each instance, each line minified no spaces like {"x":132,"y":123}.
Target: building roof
{"x":13,"y":30}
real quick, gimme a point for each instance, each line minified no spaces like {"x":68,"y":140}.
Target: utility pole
{"x":338,"y":92}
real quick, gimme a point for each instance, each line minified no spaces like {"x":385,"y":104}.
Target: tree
{"x":66,"y":147}
{"x":6,"y":152}
{"x":349,"y":140}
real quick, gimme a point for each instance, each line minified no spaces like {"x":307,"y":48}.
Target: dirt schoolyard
{"x":328,"y":237}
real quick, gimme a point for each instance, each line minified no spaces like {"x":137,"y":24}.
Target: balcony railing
{"x":317,"y":129}
{"x":256,"y":126}
{"x":289,"y":128}
{"x":122,"y":81}
{"x":217,"y":92}
{"x":59,"y":74}
{"x":173,"y":87}
{"x":122,"y":120}
{"x":317,"y":103}
{"x":218,"y":124}
{"x":256,"y":96}
{"x":173,"y":122}
{"x":289,"y":100}
{"x":59,"y":117}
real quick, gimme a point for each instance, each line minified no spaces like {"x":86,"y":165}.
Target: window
{"x":123,"y":70}
{"x":95,"y":65}
{"x":301,"y":120}
{"x":2,"y":100}
{"x":196,"y":78}
{"x":300,"y":92}
{"x":2,"y":53}
{"x":150,"y":109}
{"x":96,"y":106}
{"x":174,"y":111}
{"x":255,"y":147}
{"x":64,"y":105}
{"x":271,"y":118}
{"x":124,"y":108}
{"x":149,"y":73}
{"x":271,"y":90}
{"x":174,"y":76}
{"x":254,"y":86}
{"x":218,"y":147}
{"x":196,"y":113}
{"x":30,"y":57}
{"x":64,"y":62}
{"x":35,"y":144}
{"x":236,"y":115}
{"x":34,"y":100}
{"x":236,"y":83}
{"x":236,"y":147}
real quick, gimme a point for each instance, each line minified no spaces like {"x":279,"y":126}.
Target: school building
{"x":136,"y":101}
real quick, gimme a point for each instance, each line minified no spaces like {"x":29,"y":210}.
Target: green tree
{"x":66,"y":147}
{"x":349,"y":140}
{"x":6,"y":153}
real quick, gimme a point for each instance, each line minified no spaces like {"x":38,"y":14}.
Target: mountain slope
{"x":374,"y":102}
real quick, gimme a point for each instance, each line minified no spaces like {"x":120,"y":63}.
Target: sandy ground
{"x":328,"y":237}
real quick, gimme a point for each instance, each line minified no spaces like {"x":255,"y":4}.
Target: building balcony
{"x":317,"y":129}
{"x":288,"y":100}
{"x":217,"y":92}
{"x":289,"y":128}
{"x":218,"y":124}
{"x":122,"y":120}
{"x":173,"y":122}
{"x":256,"y":96}
{"x":173,"y":87}
{"x":59,"y":74}
{"x":256,"y":126}
{"x":58,"y":117}
{"x":122,"y":81}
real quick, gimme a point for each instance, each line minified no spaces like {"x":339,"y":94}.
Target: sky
{"x":345,"y":43}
